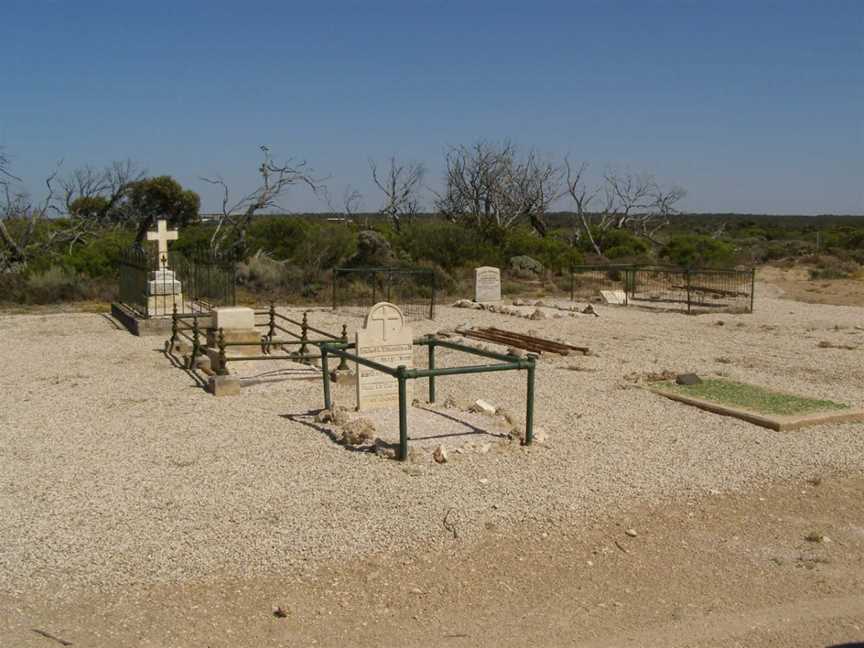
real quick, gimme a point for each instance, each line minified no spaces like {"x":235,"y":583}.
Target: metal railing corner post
{"x":403,"y":412}
{"x":529,"y":406}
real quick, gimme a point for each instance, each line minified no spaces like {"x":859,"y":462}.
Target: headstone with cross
{"x":386,"y":339}
{"x":163,"y":289}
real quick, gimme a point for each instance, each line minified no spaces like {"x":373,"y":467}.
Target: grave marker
{"x":614,"y":296}
{"x":164,"y":292}
{"x":386,"y":339}
{"x":487,"y":284}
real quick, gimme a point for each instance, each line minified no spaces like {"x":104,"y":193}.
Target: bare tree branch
{"x":276,"y":179}
{"x":401,"y":186}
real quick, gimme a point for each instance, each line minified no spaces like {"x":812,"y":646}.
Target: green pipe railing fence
{"x":403,"y":374}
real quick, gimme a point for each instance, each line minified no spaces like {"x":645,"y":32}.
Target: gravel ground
{"x":116,"y":469}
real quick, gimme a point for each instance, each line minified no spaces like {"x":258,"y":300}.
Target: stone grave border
{"x":776,"y":422}
{"x":402,"y":374}
{"x":186,"y":333}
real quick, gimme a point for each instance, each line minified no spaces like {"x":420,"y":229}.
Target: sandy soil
{"x":721,"y":571}
{"x":137,"y":510}
{"x":795,"y":284}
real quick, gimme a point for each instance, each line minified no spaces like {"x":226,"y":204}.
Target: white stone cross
{"x":380,"y":315}
{"x":162,"y":235}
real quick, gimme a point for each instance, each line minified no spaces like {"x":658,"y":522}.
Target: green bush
{"x":100,"y":256}
{"x":446,"y":244}
{"x":56,"y":284}
{"x":553,"y":252}
{"x":620,"y":244}
{"x":696,"y":251}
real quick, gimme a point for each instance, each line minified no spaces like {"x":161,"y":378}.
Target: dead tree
{"x":229,"y":235}
{"x":401,"y":187}
{"x":20,"y":217}
{"x":490,"y":184}
{"x":352,"y":200}
{"x":94,"y":200}
{"x":582,"y":197}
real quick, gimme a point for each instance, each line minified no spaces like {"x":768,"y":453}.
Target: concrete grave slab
{"x":613,"y":296}
{"x":771,"y":421}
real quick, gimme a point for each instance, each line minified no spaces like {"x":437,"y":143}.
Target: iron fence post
{"x":431,"y":366}
{"x":173,"y":328}
{"x":325,"y":374}
{"x":688,"y":291}
{"x":271,"y":333}
{"x":529,"y":406}
{"x":432,"y":303}
{"x":335,"y":278}
{"x":403,"y":413}
{"x":752,"y":287}
{"x":343,"y":361}
{"x":304,"y":330}
{"x":222,"y":370}
{"x":196,"y":342}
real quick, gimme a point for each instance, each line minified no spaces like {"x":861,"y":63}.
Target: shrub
{"x":553,"y":252}
{"x":695,"y":251}
{"x":620,"y":244}
{"x":448,"y":245}
{"x":53,"y":285}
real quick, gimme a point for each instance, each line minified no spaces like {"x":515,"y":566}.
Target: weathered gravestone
{"x":386,"y":339}
{"x":487,"y":284}
{"x":163,"y":289}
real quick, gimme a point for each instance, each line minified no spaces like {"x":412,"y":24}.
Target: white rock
{"x":440,"y":454}
{"x":482,"y":407}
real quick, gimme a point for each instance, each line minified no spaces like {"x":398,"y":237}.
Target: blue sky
{"x":751,"y":106}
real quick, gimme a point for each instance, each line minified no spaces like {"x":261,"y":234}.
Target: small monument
{"x":386,"y":339}
{"x":487,"y":284}
{"x":238,"y":325}
{"x":163,"y":289}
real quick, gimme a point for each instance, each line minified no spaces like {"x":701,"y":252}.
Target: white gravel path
{"x":116,"y":470}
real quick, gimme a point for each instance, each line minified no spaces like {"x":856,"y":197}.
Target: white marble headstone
{"x":386,"y":339}
{"x":487,"y":284}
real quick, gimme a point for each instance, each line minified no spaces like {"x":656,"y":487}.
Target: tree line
{"x":487,"y":186}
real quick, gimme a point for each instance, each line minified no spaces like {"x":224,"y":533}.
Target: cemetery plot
{"x":769,"y":408}
{"x":384,"y":334}
{"x":689,"y":290}
{"x":232,"y":335}
{"x":155,"y":283}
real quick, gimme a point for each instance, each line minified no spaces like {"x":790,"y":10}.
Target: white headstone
{"x":614,"y":296}
{"x":387,"y":340}
{"x":487,"y":284}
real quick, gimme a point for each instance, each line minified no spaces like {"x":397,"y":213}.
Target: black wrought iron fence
{"x":690,"y":290}
{"x":411,"y":289}
{"x":194,"y":281}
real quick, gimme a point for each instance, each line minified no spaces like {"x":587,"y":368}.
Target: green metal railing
{"x":403,"y":374}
